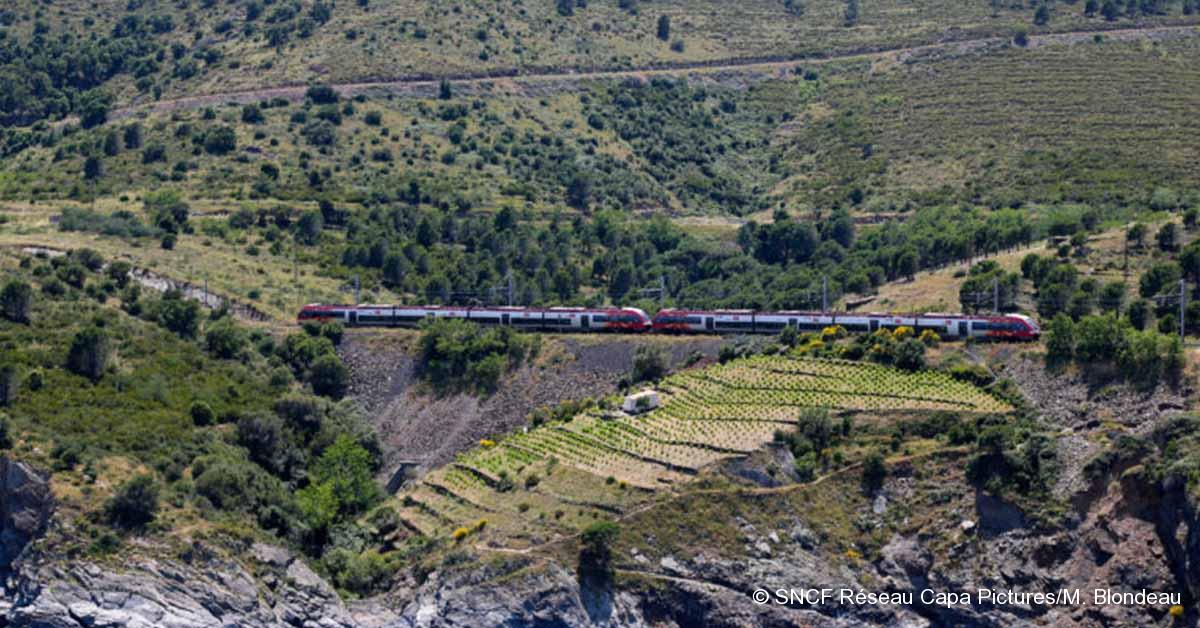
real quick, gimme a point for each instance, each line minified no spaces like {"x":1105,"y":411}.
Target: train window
{"x":981,"y":326}
{"x":599,"y":318}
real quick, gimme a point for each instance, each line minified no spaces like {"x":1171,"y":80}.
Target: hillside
{"x":181,"y":444}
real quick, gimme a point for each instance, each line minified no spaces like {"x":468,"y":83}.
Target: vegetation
{"x":457,"y":354}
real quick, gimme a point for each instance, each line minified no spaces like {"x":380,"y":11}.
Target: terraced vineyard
{"x":620,"y":461}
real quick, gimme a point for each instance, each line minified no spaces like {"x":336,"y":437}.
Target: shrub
{"x":329,"y":377}
{"x":135,"y":503}
{"x":225,"y":339}
{"x":910,"y":355}
{"x":930,"y":338}
{"x":649,"y":364}
{"x":220,"y":140}
{"x":202,"y":414}
{"x":15,"y":301}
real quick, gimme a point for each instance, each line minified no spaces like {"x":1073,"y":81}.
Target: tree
{"x":135,"y":503}
{"x":340,"y":485}
{"x":220,"y":140}
{"x":1168,"y":237}
{"x":579,"y":192}
{"x":15,"y":301}
{"x":1139,"y":314}
{"x":179,"y":315}
{"x":851,"y":14}
{"x":445,"y":91}
{"x":1060,"y":340}
{"x":112,"y":144}
{"x":10,"y":384}
{"x":1041,"y":17}
{"x":118,"y":273}
{"x":133,"y":136}
{"x":595,"y":552}
{"x":907,"y":264}
{"x":308,"y":227}
{"x":224,"y":339}
{"x":93,"y":108}
{"x":566,"y":8}
{"x":329,"y":377}
{"x":93,"y":168}
{"x":874,"y":472}
{"x":664,"y":27}
{"x":168,"y":209}
{"x":1090,"y":8}
{"x":89,"y":353}
{"x":1112,"y":297}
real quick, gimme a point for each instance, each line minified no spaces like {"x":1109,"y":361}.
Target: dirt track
{"x":542,"y":82}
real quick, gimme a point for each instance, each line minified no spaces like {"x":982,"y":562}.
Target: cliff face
{"x":1123,"y":535}
{"x":1125,"y":530}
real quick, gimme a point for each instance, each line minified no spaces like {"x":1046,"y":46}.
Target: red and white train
{"x":633,"y":320}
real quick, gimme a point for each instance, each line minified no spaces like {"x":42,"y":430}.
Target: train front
{"x":1029,"y":327}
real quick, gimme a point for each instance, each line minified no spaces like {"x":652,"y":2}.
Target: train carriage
{"x":633,"y":320}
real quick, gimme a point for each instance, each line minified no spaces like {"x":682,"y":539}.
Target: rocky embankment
{"x":419,"y":426}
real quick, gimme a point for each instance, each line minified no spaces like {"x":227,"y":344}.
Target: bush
{"x":225,"y":339}
{"x":910,"y":355}
{"x":329,"y":377}
{"x":220,"y":140}
{"x":135,"y":503}
{"x":649,"y":364}
{"x":202,"y":414}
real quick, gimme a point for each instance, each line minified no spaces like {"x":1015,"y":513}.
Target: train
{"x":675,"y":321}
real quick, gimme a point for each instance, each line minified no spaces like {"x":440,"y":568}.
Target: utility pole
{"x":510,"y":288}
{"x":1182,"y":309}
{"x":356,"y":290}
{"x":824,"y":293}
{"x":996,"y":294}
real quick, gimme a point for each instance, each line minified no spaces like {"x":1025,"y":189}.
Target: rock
{"x":25,"y":508}
{"x":967,"y":526}
{"x":670,"y":565}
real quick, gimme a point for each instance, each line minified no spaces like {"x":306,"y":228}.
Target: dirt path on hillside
{"x":544,"y":82}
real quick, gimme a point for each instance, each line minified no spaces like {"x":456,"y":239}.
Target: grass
{"x":1012,"y":126}
{"x":388,"y":38}
{"x":222,"y":261}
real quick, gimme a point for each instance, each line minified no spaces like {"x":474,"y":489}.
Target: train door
{"x":874,"y":325}
{"x":353,"y":318}
{"x":585,"y":321}
{"x":793,"y":323}
{"x":708,"y":323}
{"x":962,"y":329}
{"x":504,"y":319}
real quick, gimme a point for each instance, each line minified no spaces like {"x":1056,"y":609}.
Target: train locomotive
{"x":674,"y":321}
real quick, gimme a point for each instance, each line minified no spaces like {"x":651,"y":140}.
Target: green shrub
{"x":135,"y":503}
{"x":202,"y":414}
